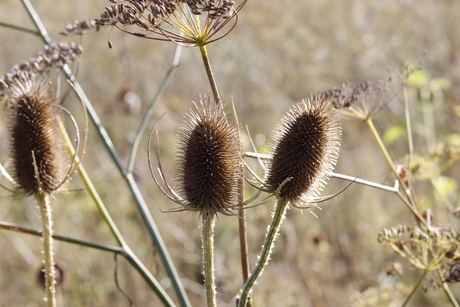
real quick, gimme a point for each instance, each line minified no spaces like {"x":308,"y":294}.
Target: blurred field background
{"x":279,"y":53}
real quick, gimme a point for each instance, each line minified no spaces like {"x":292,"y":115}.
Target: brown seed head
{"x":35,"y":138}
{"x":305,"y":147}
{"x":209,"y":160}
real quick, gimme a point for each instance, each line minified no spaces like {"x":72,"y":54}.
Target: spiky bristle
{"x":305,"y":146}
{"x":209,"y":160}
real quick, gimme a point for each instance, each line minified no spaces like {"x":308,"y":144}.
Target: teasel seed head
{"x":36,"y":146}
{"x":305,"y":147}
{"x":209,"y":162}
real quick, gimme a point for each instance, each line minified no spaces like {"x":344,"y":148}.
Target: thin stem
{"x":35,"y":232}
{"x":207,"y":66}
{"x":47,"y":222}
{"x":208,"y":259}
{"x":381,"y":145}
{"x":244,"y":255}
{"x":140,"y":202}
{"x":408,"y":124}
{"x":19,"y":28}
{"x":417,"y":285}
{"x":446,"y":288}
{"x":278,"y":216}
{"x":148,"y":113}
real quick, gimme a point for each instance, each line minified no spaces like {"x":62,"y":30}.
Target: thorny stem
{"x":208,"y":259}
{"x":417,"y":285}
{"x":140,"y":202}
{"x":47,"y":222}
{"x":207,"y":66}
{"x":243,"y":238}
{"x":278,"y":216}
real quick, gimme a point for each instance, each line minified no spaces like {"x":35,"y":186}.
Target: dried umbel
{"x":209,"y":160}
{"x":305,"y":147}
{"x":54,"y":55}
{"x":164,"y":18}
{"x":36,"y":145}
{"x":360,"y":101}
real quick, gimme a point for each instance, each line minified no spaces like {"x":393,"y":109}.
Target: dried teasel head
{"x":305,"y":146}
{"x":36,"y":145}
{"x":209,"y":163}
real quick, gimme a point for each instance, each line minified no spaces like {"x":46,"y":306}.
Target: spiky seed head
{"x":305,"y":147}
{"x":208,"y":160}
{"x":34,"y":137}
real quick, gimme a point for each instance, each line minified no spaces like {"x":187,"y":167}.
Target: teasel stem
{"x":208,"y":259}
{"x":212,"y":81}
{"x":138,"y":198}
{"x":278,"y":216}
{"x":43,"y":201}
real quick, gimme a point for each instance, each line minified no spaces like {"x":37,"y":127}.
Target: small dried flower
{"x":81,"y":27}
{"x":208,"y":160}
{"x":164,"y":18}
{"x":54,"y":55}
{"x":36,"y":146}
{"x":360,"y":101}
{"x":305,"y":148}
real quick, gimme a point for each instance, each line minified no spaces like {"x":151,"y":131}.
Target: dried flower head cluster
{"x":425,"y":247}
{"x":165,"y":18}
{"x":81,"y":27}
{"x":208,"y":160}
{"x":359,"y":101}
{"x":54,"y":55}
{"x":305,"y":147}
{"x":36,"y":145}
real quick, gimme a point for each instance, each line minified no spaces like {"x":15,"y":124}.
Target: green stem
{"x":381,"y":145}
{"x":207,"y":66}
{"x":408,"y":124}
{"x":148,"y":113}
{"x":19,"y":28}
{"x":208,"y":259}
{"x":35,"y":232}
{"x":417,"y":285}
{"x":278,"y":216}
{"x":140,"y":202}
{"x":47,"y":222}
{"x":445,"y":286}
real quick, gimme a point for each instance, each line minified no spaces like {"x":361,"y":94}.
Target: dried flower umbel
{"x":361,"y":101}
{"x":54,"y":55}
{"x":162,"y":19}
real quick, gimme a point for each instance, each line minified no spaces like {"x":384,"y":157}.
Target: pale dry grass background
{"x":280,"y":52}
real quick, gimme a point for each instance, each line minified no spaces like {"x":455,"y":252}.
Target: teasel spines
{"x":35,"y":142}
{"x":209,"y":161}
{"x":305,"y":147}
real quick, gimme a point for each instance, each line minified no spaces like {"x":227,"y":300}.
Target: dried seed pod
{"x":305,"y":147}
{"x":209,"y":160}
{"x":36,"y":145}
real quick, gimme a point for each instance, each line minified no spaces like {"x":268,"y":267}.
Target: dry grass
{"x":279,"y":53}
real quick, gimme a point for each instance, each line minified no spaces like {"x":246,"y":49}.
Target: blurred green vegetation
{"x":279,"y":53}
